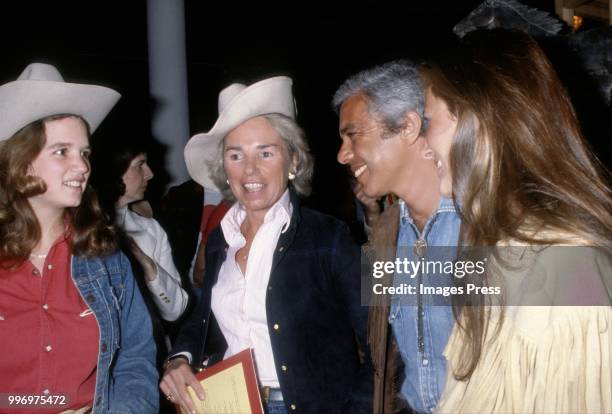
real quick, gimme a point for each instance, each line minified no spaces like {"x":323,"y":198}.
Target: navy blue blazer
{"x":315,"y":317}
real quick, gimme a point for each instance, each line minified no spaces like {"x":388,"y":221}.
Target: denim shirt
{"x":126,"y":377}
{"x":421,"y":339}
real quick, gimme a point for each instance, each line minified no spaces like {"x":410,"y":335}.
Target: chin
{"x":75,"y":203}
{"x":258,"y":202}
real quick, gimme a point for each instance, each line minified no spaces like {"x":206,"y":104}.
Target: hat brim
{"x":26,"y":101}
{"x":268,"y":96}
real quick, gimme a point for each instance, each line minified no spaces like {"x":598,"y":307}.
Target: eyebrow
{"x":347,"y":128}
{"x":260,"y":146}
{"x":67,"y":144}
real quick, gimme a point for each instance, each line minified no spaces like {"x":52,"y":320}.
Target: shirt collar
{"x":446,"y":205}
{"x":230,"y":224}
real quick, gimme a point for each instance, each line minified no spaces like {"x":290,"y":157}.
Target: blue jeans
{"x":275,"y":407}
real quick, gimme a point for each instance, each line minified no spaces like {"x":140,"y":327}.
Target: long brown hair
{"x":92,"y":234}
{"x":519,"y":161}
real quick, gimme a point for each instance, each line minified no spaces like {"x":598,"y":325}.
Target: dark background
{"x":318,"y":46}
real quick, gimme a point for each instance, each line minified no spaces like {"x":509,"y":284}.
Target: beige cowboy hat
{"x":237,"y":104}
{"x":40,"y":91}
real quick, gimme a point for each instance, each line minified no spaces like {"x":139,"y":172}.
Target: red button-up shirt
{"x":48,"y":335}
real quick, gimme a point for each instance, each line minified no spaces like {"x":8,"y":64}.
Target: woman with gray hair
{"x":280,"y":279}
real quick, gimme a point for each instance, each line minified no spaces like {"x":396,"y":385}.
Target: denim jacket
{"x":126,"y":378}
{"x":422,"y":330}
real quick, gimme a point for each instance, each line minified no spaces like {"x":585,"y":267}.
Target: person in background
{"x":381,"y":124}
{"x":211,"y":219}
{"x":180,"y":213}
{"x":508,"y":148}
{"x":280,"y":279}
{"x":121,"y":175}
{"x":73,"y":323}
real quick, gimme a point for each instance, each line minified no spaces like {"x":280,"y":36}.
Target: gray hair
{"x":392,"y":89}
{"x":295,"y":144}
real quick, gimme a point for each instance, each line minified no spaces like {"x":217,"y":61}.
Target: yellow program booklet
{"x":230,"y":387}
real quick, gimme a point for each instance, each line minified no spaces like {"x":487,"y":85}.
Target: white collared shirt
{"x":239,"y":301}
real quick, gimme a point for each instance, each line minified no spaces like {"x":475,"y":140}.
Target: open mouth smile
{"x":253,"y":187}
{"x":360,"y":170}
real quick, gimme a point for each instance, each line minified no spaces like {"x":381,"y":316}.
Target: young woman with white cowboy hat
{"x":280,"y":279}
{"x":74,"y":327}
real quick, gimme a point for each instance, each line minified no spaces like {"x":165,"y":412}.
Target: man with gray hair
{"x":381,"y":126}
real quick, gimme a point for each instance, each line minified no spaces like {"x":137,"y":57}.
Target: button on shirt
{"x":49,"y":337}
{"x":239,"y":300}
{"x":425,"y":366}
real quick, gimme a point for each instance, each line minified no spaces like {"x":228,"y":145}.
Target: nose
{"x":81,"y":165}
{"x":345,"y":153}
{"x":148,"y":172}
{"x":250,"y":165}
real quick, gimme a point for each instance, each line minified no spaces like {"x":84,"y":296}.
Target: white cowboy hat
{"x":237,"y":104}
{"x":40,"y":91}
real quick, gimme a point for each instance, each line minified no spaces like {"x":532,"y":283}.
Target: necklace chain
{"x":38,"y":256}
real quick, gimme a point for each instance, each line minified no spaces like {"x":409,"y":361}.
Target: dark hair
{"x":92,"y":234}
{"x":110,"y":160}
{"x":521,"y":168}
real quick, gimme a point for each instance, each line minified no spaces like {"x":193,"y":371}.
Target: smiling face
{"x":440,"y":133}
{"x":135,"y":180}
{"x":380,"y":165}
{"x":63,"y":164}
{"x":257,"y":165}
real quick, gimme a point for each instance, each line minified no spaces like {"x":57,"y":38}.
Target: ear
{"x":294,"y":164}
{"x":412,"y":127}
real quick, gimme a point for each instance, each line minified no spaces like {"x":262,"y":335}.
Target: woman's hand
{"x":177,"y":376}
{"x":148,"y":265}
{"x":371,"y":206}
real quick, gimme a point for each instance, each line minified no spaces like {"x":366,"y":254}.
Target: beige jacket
{"x":547,"y":357}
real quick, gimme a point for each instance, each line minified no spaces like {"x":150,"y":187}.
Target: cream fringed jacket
{"x":547,"y":357}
